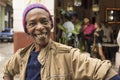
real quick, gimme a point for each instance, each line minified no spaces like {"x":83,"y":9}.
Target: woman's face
{"x":96,"y":25}
{"x":39,"y":26}
{"x":86,"y":20}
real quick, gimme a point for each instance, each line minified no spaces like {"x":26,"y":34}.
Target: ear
{"x":51,"y":25}
{"x":52,"y":29}
{"x":51,"y":21}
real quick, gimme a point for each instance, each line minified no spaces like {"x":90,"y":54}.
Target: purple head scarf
{"x":29,"y":8}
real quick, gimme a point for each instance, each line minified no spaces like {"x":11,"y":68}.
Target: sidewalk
{"x":6,"y":52}
{"x":3,"y":61}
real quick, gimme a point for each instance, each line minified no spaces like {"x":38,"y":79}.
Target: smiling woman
{"x":46,"y":59}
{"x":38,"y":25}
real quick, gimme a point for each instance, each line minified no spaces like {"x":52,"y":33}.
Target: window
{"x":113,"y":15}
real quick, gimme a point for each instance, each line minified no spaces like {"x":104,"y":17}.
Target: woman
{"x":98,"y":35}
{"x":87,"y":31}
{"x":45,"y":59}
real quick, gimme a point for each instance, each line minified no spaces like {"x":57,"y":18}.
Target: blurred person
{"x":108,"y":32}
{"x":98,"y":35}
{"x":77,"y":27}
{"x":58,"y":31}
{"x":118,"y":39}
{"x":46,"y":59}
{"x":110,"y":37}
{"x":87,"y":32}
{"x":68,"y":24}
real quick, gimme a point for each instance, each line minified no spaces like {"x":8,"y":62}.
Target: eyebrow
{"x":31,"y":21}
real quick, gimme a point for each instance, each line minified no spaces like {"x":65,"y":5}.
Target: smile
{"x":42,"y":36}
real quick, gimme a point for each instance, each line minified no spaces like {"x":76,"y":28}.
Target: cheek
{"x":49,"y":27}
{"x":30,"y":30}
{"x":95,"y":27}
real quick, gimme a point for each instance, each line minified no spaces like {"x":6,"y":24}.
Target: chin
{"x":42,"y":43}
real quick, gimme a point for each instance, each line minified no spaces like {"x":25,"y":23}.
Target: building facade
{"x":6,"y":11}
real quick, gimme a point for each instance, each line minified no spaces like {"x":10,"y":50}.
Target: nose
{"x":40,"y":27}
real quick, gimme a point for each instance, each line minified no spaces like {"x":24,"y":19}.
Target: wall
{"x":2,"y":18}
{"x":107,"y":4}
{"x":102,"y":13}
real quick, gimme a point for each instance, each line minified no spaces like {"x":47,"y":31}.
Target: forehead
{"x":86,"y":19}
{"x":37,"y":11}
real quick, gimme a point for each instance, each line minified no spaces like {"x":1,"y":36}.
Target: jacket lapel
{"x":25,"y":53}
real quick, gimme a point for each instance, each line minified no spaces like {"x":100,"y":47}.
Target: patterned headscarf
{"x":29,"y":8}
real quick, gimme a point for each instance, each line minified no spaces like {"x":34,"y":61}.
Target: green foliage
{"x":65,"y":30}
{"x":75,"y":32}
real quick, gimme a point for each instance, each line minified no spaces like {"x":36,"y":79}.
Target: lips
{"x":41,"y":36}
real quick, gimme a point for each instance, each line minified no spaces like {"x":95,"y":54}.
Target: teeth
{"x":42,"y":35}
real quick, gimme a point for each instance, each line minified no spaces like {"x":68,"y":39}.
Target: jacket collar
{"x":25,"y":53}
{"x":45,"y":51}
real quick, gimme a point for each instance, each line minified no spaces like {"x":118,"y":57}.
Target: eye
{"x":31,"y":24}
{"x":44,"y":21}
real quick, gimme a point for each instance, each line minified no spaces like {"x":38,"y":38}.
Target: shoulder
{"x":100,"y":31}
{"x":23,"y":51}
{"x":62,"y":48}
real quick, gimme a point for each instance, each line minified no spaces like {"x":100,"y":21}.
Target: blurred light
{"x":77,"y":3}
{"x":111,"y":18}
{"x":111,"y":11}
{"x":95,"y":8}
{"x":70,"y":8}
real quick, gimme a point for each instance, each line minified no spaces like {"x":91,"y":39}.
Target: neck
{"x":39,"y":47}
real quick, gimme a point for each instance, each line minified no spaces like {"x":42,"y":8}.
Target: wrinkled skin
{"x":39,"y":27}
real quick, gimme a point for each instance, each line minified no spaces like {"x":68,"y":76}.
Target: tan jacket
{"x":60,"y":62}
